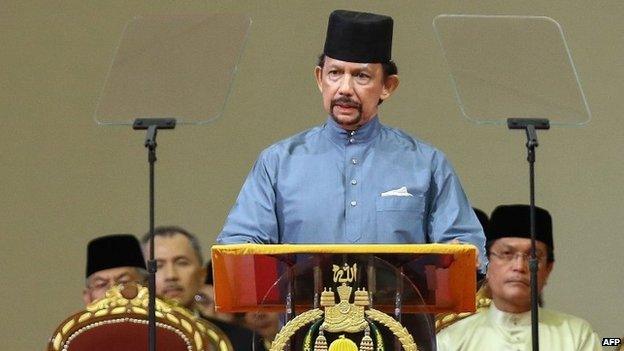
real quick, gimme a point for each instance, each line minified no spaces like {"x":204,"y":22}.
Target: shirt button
{"x":353,"y":181}
{"x":351,"y":140}
{"x":354,"y":161}
{"x":353,"y":203}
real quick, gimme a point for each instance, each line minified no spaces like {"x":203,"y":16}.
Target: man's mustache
{"x":345,"y":101}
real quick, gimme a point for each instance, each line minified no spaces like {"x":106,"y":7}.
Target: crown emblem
{"x":341,"y":318}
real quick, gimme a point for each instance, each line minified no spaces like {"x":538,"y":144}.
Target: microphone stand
{"x":530,"y":125}
{"x":152,"y":125}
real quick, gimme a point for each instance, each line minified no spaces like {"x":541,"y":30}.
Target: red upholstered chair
{"x":119,"y":322}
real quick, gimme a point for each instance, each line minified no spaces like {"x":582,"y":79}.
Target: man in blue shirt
{"x":352,"y":179}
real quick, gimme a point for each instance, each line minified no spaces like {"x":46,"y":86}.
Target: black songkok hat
{"x":514,"y":221}
{"x":359,"y":37}
{"x":112,"y":251}
{"x":483,"y":219}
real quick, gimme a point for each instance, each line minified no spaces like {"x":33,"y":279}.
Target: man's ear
{"x":391,"y":83}
{"x":318,"y":74}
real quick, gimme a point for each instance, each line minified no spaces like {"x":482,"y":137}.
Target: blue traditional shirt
{"x":373,"y":185}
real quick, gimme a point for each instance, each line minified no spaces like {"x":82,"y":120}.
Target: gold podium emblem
{"x":343,"y":318}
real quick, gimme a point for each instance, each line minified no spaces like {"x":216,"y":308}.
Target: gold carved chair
{"x":119,"y":322}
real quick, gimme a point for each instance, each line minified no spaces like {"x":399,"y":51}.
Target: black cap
{"x":514,"y":221}
{"x":112,"y":251}
{"x":359,"y":37}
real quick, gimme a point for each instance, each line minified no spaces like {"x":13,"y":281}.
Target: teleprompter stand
{"x":178,"y":66}
{"x":152,"y":125}
{"x":531,"y":125}
{"x":514,"y":66}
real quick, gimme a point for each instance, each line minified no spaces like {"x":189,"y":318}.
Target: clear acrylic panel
{"x":178,"y":66}
{"x":511,"y":67}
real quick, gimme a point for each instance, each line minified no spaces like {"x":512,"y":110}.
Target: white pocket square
{"x":402,"y":191}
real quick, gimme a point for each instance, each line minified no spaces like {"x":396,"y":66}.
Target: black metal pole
{"x":152,"y":125}
{"x":150,"y":143}
{"x":531,"y":145}
{"x":530,"y":125}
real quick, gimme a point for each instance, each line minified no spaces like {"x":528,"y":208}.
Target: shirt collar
{"x":508,"y":320}
{"x":342,"y":137}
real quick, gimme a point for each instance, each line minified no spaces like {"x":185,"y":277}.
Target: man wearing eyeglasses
{"x":112,"y":260}
{"x":506,"y":324}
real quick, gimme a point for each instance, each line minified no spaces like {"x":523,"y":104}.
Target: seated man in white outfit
{"x":506,"y":324}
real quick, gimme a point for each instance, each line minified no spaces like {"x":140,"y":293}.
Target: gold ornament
{"x":367,"y":342}
{"x":343,"y":344}
{"x":344,"y":317}
{"x":405,"y":338}
{"x":321,"y":342}
{"x":292,"y":326}
{"x":327,"y":298}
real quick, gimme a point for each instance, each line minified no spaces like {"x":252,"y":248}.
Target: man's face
{"x":351,"y":91}
{"x":99,"y":282}
{"x":180,"y":274}
{"x":509,"y":280}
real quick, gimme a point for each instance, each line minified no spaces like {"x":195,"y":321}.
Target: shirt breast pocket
{"x":400,"y":219}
